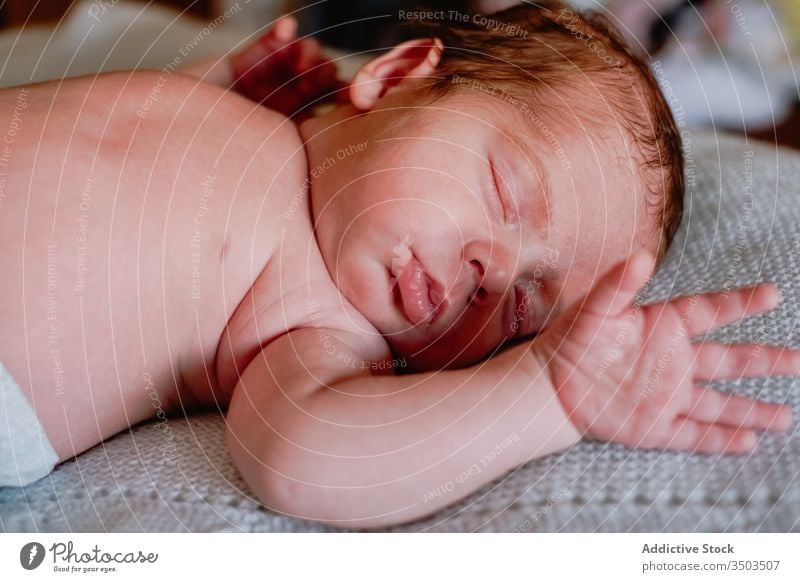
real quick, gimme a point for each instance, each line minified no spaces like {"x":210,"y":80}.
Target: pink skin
{"x":427,"y":175}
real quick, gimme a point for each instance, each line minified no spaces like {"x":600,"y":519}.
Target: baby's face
{"x":458,"y":227}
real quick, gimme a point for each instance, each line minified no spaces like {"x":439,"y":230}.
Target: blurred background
{"x":728,"y":64}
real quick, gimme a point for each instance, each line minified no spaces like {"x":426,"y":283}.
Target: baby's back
{"x":136,"y":211}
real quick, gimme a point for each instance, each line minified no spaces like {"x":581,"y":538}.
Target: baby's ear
{"x":414,"y":58}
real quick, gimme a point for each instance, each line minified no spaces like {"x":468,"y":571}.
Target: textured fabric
{"x":26,"y":454}
{"x":741,"y":225}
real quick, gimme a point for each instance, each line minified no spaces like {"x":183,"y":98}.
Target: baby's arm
{"x":320,"y":439}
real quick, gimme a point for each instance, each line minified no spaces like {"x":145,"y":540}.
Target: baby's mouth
{"x":415,"y":292}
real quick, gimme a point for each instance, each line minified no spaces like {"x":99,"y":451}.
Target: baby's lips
{"x":415,"y":292}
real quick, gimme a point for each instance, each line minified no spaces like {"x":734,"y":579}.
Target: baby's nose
{"x":487,"y":281}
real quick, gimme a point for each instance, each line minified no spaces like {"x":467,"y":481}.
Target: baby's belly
{"x":96,"y":302}
{"x":89,"y":325}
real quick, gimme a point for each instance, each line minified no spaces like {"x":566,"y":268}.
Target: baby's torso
{"x":154,"y":234}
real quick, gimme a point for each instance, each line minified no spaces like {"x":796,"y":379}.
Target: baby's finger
{"x":260,"y":56}
{"x":700,"y":437}
{"x":325,"y":77}
{"x":716,"y":361}
{"x":616,"y":290}
{"x":712,"y":406}
{"x":284,"y":30}
{"x":711,"y":310}
{"x":307,"y":55}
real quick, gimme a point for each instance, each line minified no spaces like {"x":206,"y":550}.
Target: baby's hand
{"x":631,"y":374}
{"x":284,"y":73}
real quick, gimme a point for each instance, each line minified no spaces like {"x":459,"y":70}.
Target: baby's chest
{"x":293,"y":291}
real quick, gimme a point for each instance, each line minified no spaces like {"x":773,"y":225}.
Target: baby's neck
{"x":322,"y":137}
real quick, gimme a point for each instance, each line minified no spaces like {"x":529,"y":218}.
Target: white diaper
{"x":26,"y":454}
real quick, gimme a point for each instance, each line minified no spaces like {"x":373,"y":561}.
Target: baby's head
{"x":483,"y":178}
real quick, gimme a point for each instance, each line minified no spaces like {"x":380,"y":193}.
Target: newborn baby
{"x":441,"y":265}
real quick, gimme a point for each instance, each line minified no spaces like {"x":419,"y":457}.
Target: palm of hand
{"x":632,"y":374}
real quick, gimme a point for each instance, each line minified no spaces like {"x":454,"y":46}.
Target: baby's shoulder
{"x":218,"y":116}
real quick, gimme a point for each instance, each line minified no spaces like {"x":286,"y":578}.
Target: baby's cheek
{"x":358,"y":283}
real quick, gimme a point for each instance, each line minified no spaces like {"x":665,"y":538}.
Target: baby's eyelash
{"x":495,"y":188}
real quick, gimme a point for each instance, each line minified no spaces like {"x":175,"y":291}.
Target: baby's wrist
{"x":566,"y":433}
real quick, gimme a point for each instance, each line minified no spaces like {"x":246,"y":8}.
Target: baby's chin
{"x":415,"y":353}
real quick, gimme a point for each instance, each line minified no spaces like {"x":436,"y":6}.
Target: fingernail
{"x":774,"y":294}
{"x":785,"y":419}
